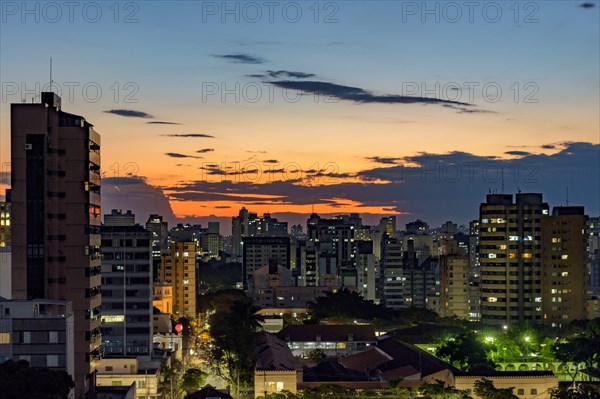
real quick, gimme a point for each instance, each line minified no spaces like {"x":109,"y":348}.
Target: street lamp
{"x":527,"y":339}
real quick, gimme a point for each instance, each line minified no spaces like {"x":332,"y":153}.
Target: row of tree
{"x":483,"y":388}
{"x":473,"y":352}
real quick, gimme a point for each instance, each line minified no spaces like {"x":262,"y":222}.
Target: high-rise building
{"x":248,"y":224}
{"x":392,"y":283}
{"x":160,"y":240}
{"x":56,"y":220}
{"x":211,"y":242}
{"x":5,"y":221}
{"x":178,"y":269}
{"x":387,"y":225}
{"x":511,"y":258}
{"x":564,"y":265}
{"x":454,"y":283}
{"x":366,"y":270}
{"x":594,"y":255}
{"x":258,"y":252}
{"x":126,"y":286}
{"x":5,"y":249}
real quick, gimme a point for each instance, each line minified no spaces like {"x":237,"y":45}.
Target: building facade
{"x":259,"y":251}
{"x":5,"y":220}
{"x":38,"y":331}
{"x":56,"y":220}
{"x":178,"y":269}
{"x":511,"y":258}
{"x":126,"y":286}
{"x":564,"y":265}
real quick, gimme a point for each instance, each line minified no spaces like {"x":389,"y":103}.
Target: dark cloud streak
{"x":129,"y":113}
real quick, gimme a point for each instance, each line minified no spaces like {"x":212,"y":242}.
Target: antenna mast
{"x":50,"y":89}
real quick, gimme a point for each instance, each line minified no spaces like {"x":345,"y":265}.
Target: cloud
{"x":384,"y":160}
{"x":136,"y":194}
{"x":256,"y":152}
{"x":518,"y":153}
{"x":162,"y":123}
{"x":222,"y":207}
{"x":548,"y":146}
{"x":361,"y":96}
{"x":129,"y":113}
{"x":178,"y":155}
{"x":283,"y":73}
{"x":587,"y":5}
{"x":195,"y":135}
{"x":432,"y":186}
{"x":271,"y":161}
{"x":205,"y":150}
{"x":241,"y":58}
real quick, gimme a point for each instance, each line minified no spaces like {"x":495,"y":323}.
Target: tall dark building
{"x":56,"y":220}
{"x":126,"y":286}
{"x":564,"y":265}
{"x":160,"y":240}
{"x":5,"y":221}
{"x":511,"y":258}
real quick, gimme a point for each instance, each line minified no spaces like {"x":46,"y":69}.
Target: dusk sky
{"x":389,"y":107}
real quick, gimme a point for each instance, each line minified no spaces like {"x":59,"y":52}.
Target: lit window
{"x":513,"y":238}
{"x":4,"y":338}
{"x":564,"y":257}
{"x":491,"y":256}
{"x":527,"y":255}
{"x":492,"y":299}
{"x":564,"y":274}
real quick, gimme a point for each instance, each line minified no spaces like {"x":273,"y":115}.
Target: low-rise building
{"x":276,"y":368}
{"x":334,"y":340}
{"x":39,"y":331}
{"x":526,"y":384}
{"x":125,"y":371}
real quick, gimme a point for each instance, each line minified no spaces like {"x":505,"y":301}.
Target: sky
{"x":417,"y":109}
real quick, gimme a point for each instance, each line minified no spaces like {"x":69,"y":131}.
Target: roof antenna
{"x":50,"y":74}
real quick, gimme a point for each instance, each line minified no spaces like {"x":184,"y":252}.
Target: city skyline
{"x":375,"y":107}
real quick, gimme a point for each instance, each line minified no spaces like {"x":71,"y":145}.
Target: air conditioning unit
{"x":28,"y":146}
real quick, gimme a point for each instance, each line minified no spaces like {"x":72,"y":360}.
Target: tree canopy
{"x":466,"y":352}
{"x":18,"y":380}
{"x":233,"y":341}
{"x":345,"y":304}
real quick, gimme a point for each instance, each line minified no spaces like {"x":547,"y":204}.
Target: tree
{"x":170,"y":382}
{"x":345,"y":304}
{"x":18,"y":380}
{"x":466,"y":352}
{"x":316,"y":355}
{"x":581,"y":392}
{"x":193,"y":379}
{"x":439,"y":390}
{"x":485,"y":389}
{"x":233,"y":342}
